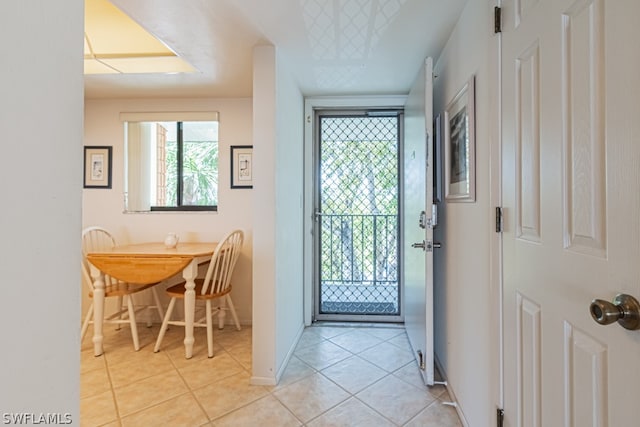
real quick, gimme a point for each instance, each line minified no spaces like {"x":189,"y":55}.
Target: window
{"x":171,"y":164}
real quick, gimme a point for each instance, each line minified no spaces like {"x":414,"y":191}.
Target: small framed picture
{"x":459,"y":145}
{"x":241,"y":166}
{"x":97,"y":166}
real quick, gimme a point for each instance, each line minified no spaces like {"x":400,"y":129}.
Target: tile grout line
{"x":113,"y":390}
{"x":177,"y":371}
{"x":387,"y":374}
{"x":229,"y":342}
{"x":190,"y":390}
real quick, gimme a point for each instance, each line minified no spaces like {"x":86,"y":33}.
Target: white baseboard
{"x":283,"y":366}
{"x":452,"y":394}
{"x":263,"y":381}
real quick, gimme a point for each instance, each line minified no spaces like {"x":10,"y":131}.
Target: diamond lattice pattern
{"x":359,"y":222}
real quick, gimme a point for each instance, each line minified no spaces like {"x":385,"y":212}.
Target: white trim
{"x":289,"y":355}
{"x":263,"y":381}
{"x":272,"y":381}
{"x":496,"y":251}
{"x":174,"y":116}
{"x":311,"y":104}
{"x":452,"y":395}
{"x":327,"y":102}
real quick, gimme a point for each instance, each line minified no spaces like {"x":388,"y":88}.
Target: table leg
{"x":98,"y":309}
{"x":189,"y":274}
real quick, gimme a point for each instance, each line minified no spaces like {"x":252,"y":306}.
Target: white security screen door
{"x":357,"y":216}
{"x":417,"y":222}
{"x":571,"y":192}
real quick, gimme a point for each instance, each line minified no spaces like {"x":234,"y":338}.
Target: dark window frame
{"x":180,"y":166}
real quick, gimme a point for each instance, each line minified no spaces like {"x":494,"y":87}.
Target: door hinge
{"x":499,"y":220}
{"x":497,"y":20}
{"x":500,"y":417}
{"x":434,"y":216}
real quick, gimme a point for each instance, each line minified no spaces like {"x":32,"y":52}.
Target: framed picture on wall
{"x":437,"y":159}
{"x":241,"y":166}
{"x":97,"y":166}
{"x":459,"y":145}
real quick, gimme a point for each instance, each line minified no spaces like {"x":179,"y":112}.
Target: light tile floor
{"x":347,"y":375}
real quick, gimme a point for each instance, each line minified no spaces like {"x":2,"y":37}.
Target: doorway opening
{"x":357,"y":216}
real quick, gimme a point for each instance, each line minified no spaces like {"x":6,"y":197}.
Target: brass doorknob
{"x":624,"y":309}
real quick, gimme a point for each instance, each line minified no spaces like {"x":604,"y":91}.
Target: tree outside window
{"x":172,"y":165}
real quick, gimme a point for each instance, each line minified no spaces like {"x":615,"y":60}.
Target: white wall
{"x":264,"y":287}
{"x":289,"y":217}
{"x":235,"y":206}
{"x":40,"y":182}
{"x":466,"y":296}
{"x":277,"y":268}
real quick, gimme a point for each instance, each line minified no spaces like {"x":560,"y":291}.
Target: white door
{"x":418,"y":229}
{"x":571,"y":192}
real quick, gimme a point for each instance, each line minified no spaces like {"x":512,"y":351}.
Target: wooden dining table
{"x":145,"y":263}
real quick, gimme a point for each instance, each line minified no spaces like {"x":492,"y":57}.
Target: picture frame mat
{"x":459,"y":158}
{"x":97,"y":166}
{"x":241,"y":166}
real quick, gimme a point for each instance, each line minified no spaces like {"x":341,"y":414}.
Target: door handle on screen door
{"x":427,"y":245}
{"x":421,"y":245}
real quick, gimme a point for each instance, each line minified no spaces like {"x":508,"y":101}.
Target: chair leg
{"x":165,"y":325}
{"x":148,"y":313}
{"x":222,"y":312}
{"x":233,"y":311}
{"x":209,"y":329}
{"x":156,"y":298}
{"x":85,"y":324}
{"x":120,"y":309}
{"x":132,"y":322}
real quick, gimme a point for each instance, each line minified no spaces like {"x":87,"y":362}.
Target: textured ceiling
{"x":130,"y":49}
{"x":332,"y":47}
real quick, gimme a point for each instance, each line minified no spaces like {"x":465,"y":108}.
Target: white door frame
{"x":495,"y":254}
{"x":310,"y":105}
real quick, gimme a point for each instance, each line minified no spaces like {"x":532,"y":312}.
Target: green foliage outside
{"x":199,"y":162}
{"x":359,"y":199}
{"x":200,"y":173}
